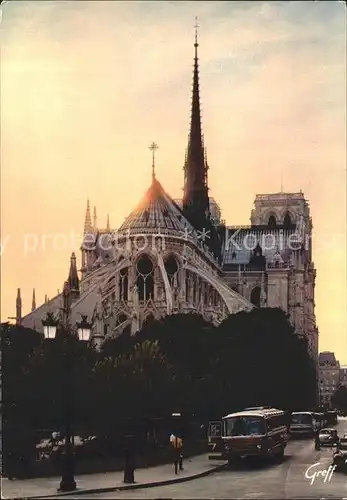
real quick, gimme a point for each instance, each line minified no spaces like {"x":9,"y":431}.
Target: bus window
{"x":245,"y":426}
{"x":302,"y":418}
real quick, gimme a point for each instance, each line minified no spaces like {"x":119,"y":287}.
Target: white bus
{"x":258,"y":433}
{"x":304,"y":423}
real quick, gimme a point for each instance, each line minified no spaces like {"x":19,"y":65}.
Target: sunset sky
{"x":87,"y":86}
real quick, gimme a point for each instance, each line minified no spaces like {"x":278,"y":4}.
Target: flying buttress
{"x":229,"y":297}
{"x":168,"y":294}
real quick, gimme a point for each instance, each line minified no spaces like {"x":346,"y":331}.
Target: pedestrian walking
{"x":129,"y":459}
{"x":177,"y":444}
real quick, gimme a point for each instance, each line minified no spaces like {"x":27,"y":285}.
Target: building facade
{"x":329,"y":376}
{"x":343,"y":376}
{"x":172,"y":256}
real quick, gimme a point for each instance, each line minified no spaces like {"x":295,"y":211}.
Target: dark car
{"x":340,"y":456}
{"x":328,"y":437}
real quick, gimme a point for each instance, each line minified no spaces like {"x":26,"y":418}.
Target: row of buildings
{"x":331,"y":376}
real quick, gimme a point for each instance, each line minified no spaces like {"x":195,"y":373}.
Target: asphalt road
{"x":269,"y":481}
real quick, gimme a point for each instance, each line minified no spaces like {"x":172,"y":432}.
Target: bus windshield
{"x":245,"y":426}
{"x":302,"y":418}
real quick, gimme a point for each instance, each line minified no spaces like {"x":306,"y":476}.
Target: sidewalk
{"x":195,"y":467}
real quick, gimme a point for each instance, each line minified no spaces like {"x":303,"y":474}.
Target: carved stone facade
{"x":282,"y":227}
{"x":329,"y":376}
{"x":156,"y":265}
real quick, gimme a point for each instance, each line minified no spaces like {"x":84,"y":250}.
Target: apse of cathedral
{"x":178,"y":256}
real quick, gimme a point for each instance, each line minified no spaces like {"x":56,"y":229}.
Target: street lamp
{"x":50,"y":326}
{"x":84,"y":329}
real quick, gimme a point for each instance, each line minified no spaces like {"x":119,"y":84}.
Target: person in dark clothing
{"x":178,"y":460}
{"x":177,"y":444}
{"x":129,"y":458}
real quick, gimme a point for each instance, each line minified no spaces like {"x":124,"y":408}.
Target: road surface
{"x":271,"y":481}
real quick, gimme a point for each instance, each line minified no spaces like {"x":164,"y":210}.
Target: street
{"x":284,"y":480}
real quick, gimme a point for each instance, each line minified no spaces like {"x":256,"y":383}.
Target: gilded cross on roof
{"x":153,"y":147}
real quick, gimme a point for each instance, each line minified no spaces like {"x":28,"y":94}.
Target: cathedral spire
{"x":33,"y":304}
{"x":195,"y":197}
{"x":88,"y":220}
{"x":108,"y":227}
{"x":73,"y":280}
{"x":18,"y":308}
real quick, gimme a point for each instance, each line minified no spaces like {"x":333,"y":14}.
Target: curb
{"x":135,"y":486}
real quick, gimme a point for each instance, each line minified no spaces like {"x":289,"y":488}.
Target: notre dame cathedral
{"x":178,"y":256}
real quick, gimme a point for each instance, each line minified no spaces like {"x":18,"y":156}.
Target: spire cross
{"x":153,"y":147}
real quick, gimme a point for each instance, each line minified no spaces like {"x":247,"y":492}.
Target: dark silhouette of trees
{"x":18,"y":427}
{"x":179,"y":363}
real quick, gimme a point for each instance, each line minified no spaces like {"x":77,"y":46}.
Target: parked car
{"x":328,"y":437}
{"x":340,"y":456}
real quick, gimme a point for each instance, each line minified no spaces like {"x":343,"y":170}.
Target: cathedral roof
{"x":241,"y":240}
{"x":34,"y":319}
{"x":157,"y":210}
{"x":327,"y":357}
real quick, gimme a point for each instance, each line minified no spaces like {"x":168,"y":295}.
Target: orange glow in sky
{"x":87,"y":86}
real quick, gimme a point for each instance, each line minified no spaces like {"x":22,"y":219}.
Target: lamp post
{"x":84,"y":328}
{"x":50,"y":326}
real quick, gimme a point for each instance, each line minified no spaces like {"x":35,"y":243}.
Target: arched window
{"x":272,"y":221}
{"x":171,"y":267}
{"x":145,"y":280}
{"x":111,"y":287}
{"x":123,"y":284}
{"x":255,"y":296}
{"x":287,"y":220}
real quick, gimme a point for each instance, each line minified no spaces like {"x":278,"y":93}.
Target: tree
{"x":269,"y":362}
{"x":17,"y":347}
{"x":134,"y":385}
{"x":187,"y":341}
{"x":59,"y":368}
